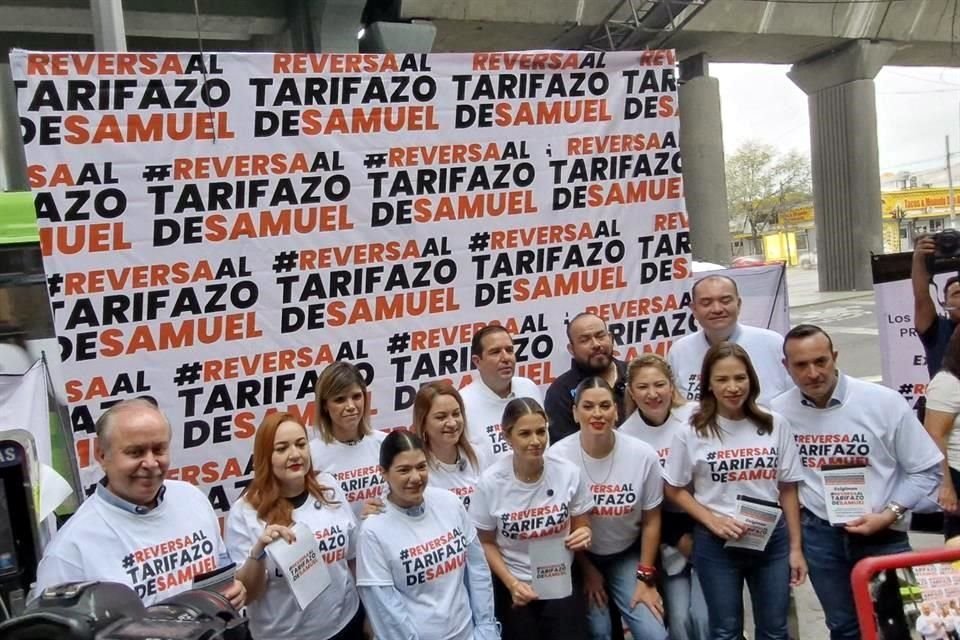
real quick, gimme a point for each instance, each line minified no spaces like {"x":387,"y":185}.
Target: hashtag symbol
{"x":906,"y":389}
{"x":375,"y":160}
{"x":284,"y":261}
{"x":53,"y":283}
{"x":398,"y":342}
{"x":479,"y":241}
{"x":156,"y":172}
{"x":404,"y":554}
{"x":711,"y":455}
{"x":187,"y":373}
{"x":128,"y":561}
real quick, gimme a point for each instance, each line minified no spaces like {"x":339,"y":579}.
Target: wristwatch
{"x":647,"y":575}
{"x":898,"y":510}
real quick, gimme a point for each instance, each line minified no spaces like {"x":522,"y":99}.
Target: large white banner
{"x":217,"y":229}
{"x":903,"y":363}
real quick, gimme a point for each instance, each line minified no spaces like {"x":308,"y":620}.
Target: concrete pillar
{"x":335,"y":24}
{"x":108,"y":30}
{"x":704,"y":173}
{"x":845,"y":162}
{"x":13,"y":161}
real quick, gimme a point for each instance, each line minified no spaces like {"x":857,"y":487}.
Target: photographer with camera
{"x":934,"y":330}
{"x":138,"y":529}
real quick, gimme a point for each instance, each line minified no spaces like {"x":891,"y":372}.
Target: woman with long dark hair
{"x":439,"y":419}
{"x":420,"y":567}
{"x":285,"y":491}
{"x":623,"y":474}
{"x":532,"y":514}
{"x":657,"y":412}
{"x":740,"y":461}
{"x":348,"y":448}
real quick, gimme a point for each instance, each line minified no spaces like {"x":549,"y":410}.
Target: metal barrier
{"x":866,"y":569}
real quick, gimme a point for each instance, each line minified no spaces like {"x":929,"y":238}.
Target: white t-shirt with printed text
{"x":741,"y":462}
{"x":660,"y":437}
{"x":872,"y":426}
{"x":424,"y":558}
{"x":485,"y":410}
{"x":943,"y":394}
{"x":461,"y":479}
{"x":523,"y":512}
{"x":155,"y":553}
{"x":276,"y":614}
{"x":355,"y":466}
{"x":624,"y":484}
{"x":764,"y":347}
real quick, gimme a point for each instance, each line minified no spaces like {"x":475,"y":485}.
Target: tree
{"x":763,"y":183}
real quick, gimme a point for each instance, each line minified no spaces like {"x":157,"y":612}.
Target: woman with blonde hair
{"x":657,"y":412}
{"x":285,"y":492}
{"x":348,"y":448}
{"x":439,"y":419}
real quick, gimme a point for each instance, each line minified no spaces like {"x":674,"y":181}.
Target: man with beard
{"x":591,"y":347}
{"x":139,"y":529}
{"x":716,"y":306}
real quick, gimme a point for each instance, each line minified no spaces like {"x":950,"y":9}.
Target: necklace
{"x":586,"y":469}
{"x":528,"y":479}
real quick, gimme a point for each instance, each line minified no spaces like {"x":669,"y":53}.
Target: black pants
{"x":563,"y":619}
{"x":354,"y":628}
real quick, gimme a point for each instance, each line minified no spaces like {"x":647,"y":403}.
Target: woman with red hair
{"x":285,"y":491}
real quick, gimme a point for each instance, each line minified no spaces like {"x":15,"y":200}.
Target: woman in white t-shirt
{"x":532,"y":514}
{"x":439,"y":419}
{"x":941,"y":420}
{"x":285,"y":492}
{"x":623,"y":475}
{"x":348,"y":448}
{"x":657,"y":412}
{"x":742,"y":464}
{"x":420,"y":567}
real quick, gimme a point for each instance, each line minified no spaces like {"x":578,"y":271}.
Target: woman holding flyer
{"x":532,"y":514}
{"x":623,"y":475}
{"x":348,"y":448}
{"x":287,"y":504}
{"x":420,"y":566}
{"x":744,"y":469}
{"x":439,"y":420}
{"x":657,"y":412}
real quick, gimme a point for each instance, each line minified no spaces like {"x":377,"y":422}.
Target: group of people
{"x":632,"y":494}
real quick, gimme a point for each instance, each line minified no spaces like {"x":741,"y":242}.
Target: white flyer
{"x":550,"y":563}
{"x":845,"y":493}
{"x":761,"y":518}
{"x":301,"y":564}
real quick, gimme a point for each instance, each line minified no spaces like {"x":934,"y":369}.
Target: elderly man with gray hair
{"x":138,"y":528}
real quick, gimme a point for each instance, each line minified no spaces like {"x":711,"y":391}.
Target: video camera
{"x":946,"y":253}
{"x":112,"y":611}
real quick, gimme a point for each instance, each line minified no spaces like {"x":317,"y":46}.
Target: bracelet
{"x":647,"y":574}
{"x":258,"y":558}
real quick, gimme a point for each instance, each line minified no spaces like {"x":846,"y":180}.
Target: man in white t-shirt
{"x":493,"y":355}
{"x":871,"y":433}
{"x":715,"y":305}
{"x":138,"y":529}
{"x":591,"y":348}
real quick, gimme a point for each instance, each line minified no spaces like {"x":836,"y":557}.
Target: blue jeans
{"x":619,"y":572}
{"x":831,"y":553}
{"x":722,"y":573}
{"x":686,"y":606}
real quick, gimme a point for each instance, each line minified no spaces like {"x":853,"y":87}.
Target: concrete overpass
{"x":836,"y":49}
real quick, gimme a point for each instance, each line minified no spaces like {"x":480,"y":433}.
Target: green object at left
{"x":18,"y":218}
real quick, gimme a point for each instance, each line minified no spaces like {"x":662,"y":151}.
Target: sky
{"x":916,"y":108}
